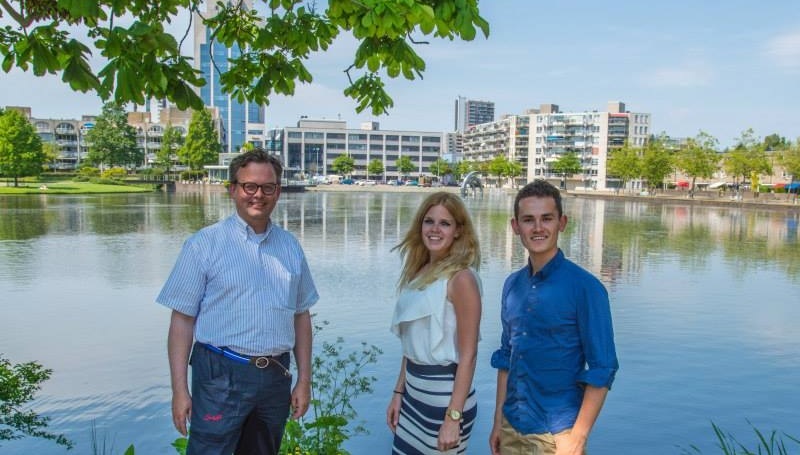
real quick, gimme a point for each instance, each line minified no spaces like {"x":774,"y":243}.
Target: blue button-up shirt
{"x":243,"y":288}
{"x":557,"y":336}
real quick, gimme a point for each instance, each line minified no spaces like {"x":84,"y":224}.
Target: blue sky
{"x":716,"y":66}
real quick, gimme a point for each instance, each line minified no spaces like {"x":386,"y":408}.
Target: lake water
{"x":704,"y":300}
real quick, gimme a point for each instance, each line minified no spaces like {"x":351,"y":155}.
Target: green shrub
{"x":115,"y":173}
{"x":193,"y":175}
{"x":337,"y":379}
{"x":88,"y":171}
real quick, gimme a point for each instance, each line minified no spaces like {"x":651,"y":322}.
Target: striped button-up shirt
{"x":244,"y":289}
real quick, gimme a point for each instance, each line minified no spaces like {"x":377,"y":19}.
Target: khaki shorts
{"x":513,"y":442}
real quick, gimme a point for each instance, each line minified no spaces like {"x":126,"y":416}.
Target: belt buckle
{"x":261,"y":362}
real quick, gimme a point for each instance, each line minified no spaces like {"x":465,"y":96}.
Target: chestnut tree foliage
{"x":141,"y":59}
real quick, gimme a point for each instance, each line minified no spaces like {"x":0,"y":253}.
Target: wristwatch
{"x":454,"y":414}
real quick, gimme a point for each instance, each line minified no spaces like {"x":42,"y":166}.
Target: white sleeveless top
{"x":425,"y":321}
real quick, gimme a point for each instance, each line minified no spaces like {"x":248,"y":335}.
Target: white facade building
{"x":310,"y":148}
{"x":538,"y":138}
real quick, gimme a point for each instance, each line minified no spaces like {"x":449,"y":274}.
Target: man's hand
{"x":570,"y":444}
{"x":494,"y":440}
{"x":181,"y":411}
{"x":301,"y":397}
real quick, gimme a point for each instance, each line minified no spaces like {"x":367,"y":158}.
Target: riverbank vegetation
{"x":18,"y":385}
{"x":775,"y":443}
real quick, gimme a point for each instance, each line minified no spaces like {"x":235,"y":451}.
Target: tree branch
{"x":408,"y":35}
{"x":20,"y":18}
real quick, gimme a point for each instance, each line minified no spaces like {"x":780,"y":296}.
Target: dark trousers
{"x":256,"y":438}
{"x":224,"y":394}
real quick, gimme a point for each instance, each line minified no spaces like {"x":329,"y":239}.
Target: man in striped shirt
{"x":240,"y":294}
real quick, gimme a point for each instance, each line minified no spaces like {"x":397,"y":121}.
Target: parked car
{"x":346,"y":181}
{"x":412,"y":183}
{"x":366,"y":182}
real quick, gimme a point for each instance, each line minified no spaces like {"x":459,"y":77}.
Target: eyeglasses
{"x":251,"y":188}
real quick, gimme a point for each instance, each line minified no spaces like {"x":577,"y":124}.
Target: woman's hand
{"x":393,"y":411}
{"x":449,"y":435}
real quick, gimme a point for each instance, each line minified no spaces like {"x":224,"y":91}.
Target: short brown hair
{"x":257,"y":155}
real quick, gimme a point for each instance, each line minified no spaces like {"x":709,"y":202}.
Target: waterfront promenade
{"x":707,"y":198}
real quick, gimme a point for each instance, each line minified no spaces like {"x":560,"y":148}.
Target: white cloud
{"x":685,"y":75}
{"x":785,"y":49}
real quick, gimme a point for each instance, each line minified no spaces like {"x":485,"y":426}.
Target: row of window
{"x":311,"y":135}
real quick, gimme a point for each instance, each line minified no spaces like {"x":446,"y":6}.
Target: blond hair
{"x":464,"y":252}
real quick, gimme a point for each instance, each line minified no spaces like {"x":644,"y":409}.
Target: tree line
{"x":698,"y":157}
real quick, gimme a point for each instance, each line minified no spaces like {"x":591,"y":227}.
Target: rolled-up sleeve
{"x":597,"y":336}
{"x":501,"y":358}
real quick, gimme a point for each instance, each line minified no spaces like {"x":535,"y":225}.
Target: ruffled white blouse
{"x":425,"y":322}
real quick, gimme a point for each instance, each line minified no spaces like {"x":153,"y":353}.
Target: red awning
{"x":682,"y":184}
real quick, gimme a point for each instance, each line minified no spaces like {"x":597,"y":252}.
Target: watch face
{"x":454,"y":414}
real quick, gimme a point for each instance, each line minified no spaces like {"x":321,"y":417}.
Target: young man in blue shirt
{"x":557,"y":359}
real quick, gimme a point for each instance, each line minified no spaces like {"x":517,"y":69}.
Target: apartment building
{"x":67,"y":134}
{"x":539,"y":137}
{"x":310,"y":148}
{"x":151,"y":125}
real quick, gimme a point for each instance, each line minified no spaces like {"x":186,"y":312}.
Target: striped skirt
{"x":427,"y":394}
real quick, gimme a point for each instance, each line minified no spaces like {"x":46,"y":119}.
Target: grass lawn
{"x":70,"y":187}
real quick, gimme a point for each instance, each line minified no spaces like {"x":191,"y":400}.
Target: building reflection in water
{"x":609,"y":238}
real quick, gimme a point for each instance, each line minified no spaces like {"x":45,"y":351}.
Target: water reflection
{"x":703,"y":301}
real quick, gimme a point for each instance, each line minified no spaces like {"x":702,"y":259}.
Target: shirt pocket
{"x":281,"y":282}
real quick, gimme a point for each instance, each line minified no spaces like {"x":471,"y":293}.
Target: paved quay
{"x":788,"y":202}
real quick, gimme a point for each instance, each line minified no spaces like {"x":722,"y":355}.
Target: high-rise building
{"x":469,"y":113}
{"x":241,"y":122}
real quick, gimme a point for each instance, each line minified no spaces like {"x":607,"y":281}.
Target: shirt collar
{"x":551,"y":266}
{"x":247,"y":231}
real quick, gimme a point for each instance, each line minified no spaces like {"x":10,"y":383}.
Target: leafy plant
{"x":18,"y":384}
{"x":772,"y":444}
{"x":337,"y":379}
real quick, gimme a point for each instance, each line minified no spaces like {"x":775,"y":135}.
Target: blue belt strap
{"x":227,"y":353}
